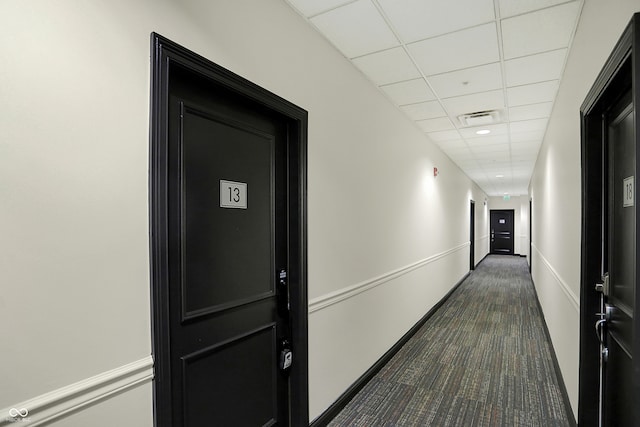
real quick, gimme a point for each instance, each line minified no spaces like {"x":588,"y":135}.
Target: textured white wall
{"x":555,"y":186}
{"x":74,"y":96}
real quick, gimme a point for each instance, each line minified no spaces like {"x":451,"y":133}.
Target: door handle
{"x":599,"y":325}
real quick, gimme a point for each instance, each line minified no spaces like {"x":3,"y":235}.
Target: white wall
{"x":555,"y":186}
{"x":386,"y":239}
{"x":520,"y":207}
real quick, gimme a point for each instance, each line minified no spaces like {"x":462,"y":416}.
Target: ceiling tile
{"x":517,"y":137}
{"x":528,"y":125}
{"x":452,"y":146}
{"x":309,"y":8}
{"x":356,"y":29}
{"x":485,"y":101}
{"x":424,"y":110}
{"x":526,"y":146}
{"x":455,"y":51}
{"x":511,"y":7}
{"x":540,"y":31}
{"x":388,"y":66}
{"x":447,"y":135}
{"x":532,"y":94}
{"x":535,"y":68}
{"x":528,"y":112}
{"x":491,"y":139}
{"x":492,"y":156}
{"x":409,"y":92}
{"x":496,"y":130}
{"x":420,"y":19}
{"x":435,"y":125}
{"x":501,"y":148}
{"x":471,"y":80}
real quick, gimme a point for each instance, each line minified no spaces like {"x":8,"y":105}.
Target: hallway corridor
{"x":482,"y":359}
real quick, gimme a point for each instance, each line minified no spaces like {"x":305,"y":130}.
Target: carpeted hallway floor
{"x":481,"y":360}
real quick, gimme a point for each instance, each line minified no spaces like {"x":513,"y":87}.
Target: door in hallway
{"x":501,"y":232}
{"x":609,"y":366}
{"x":619,"y":254}
{"x":231,"y":311}
{"x":472,"y":235}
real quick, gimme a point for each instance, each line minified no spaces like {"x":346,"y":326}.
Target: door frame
{"x":164,"y":52}
{"x":615,"y":77}
{"x":472,"y":235}
{"x":513,"y":229}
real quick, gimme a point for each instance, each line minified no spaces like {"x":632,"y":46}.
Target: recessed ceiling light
{"x":499,"y":176}
{"x":483,"y":132}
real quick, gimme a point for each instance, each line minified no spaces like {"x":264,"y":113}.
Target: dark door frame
{"x":622,"y":67}
{"x":164,"y":52}
{"x":530,"y":234}
{"x":513,"y":229}
{"x":472,"y":235}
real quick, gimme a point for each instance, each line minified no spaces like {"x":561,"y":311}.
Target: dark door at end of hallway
{"x":502,"y":232}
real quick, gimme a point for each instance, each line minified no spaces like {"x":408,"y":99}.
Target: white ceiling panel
{"x":516,"y":7}
{"x":447,"y":135}
{"x":527,"y":146}
{"x":485,"y":140}
{"x":455,"y":51}
{"x":471,"y":80}
{"x":532,"y":94}
{"x":388,"y":66}
{"x":493,"y":100}
{"x":420,"y":19}
{"x":501,"y":148}
{"x":309,"y":8}
{"x":424,"y":110}
{"x":452,"y":143}
{"x":528,"y":125}
{"x":540,"y":31}
{"x":535,"y":68}
{"x":518,"y":137}
{"x":493,"y":156}
{"x":356,"y":29}
{"x":529,"y":112}
{"x":496,"y":130}
{"x":409,"y":92}
{"x":435,"y":125}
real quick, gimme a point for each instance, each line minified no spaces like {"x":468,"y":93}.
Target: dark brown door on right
{"x":502,"y":232}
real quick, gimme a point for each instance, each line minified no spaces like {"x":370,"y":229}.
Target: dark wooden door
{"x":609,"y":364}
{"x":472,"y":235}
{"x":229,"y":294}
{"x":501,"y":232}
{"x":619,"y":255}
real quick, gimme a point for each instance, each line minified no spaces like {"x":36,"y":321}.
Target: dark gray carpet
{"x":481,"y":360}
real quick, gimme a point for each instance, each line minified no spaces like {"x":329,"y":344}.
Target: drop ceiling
{"x":438,"y":60}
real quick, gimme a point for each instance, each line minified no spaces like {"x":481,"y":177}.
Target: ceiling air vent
{"x":480,"y":118}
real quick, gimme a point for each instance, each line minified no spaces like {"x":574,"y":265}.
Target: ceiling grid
{"x":438,"y":60}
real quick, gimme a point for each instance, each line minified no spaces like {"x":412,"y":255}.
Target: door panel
{"x":618,"y":402}
{"x":224,"y":259}
{"x":227,"y":253}
{"x":207,"y":381}
{"x":502,"y":232}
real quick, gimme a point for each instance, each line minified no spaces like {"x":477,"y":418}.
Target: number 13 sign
{"x":233,"y":194}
